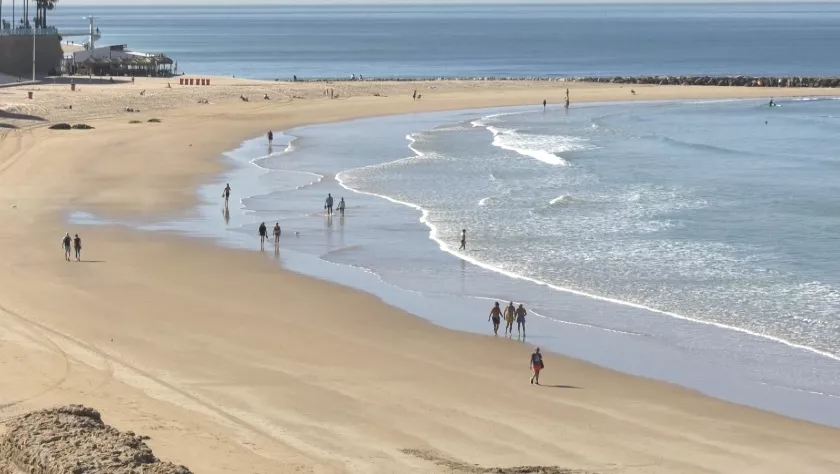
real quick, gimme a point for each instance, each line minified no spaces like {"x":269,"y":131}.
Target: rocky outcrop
{"x":74,"y":440}
{"x":740,"y":81}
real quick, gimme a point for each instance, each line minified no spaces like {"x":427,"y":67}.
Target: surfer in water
{"x":496,"y":316}
{"x":263,"y":234}
{"x":772,"y":104}
{"x":463,"y":240}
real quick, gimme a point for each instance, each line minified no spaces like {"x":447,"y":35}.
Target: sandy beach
{"x":232,"y":365}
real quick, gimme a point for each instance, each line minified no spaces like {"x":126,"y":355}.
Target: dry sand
{"x":232,"y":365}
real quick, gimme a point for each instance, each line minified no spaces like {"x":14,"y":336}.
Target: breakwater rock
{"x":73,"y":439}
{"x":739,"y":81}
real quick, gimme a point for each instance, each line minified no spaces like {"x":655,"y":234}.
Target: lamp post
{"x":33,"y":53}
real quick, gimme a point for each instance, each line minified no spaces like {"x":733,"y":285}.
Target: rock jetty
{"x":73,"y":439}
{"x":741,"y":81}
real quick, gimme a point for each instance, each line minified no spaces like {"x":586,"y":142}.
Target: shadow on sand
{"x":14,"y":116}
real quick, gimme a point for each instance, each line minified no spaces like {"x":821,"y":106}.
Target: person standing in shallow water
{"x":270,"y":137}
{"x":341,"y":207}
{"x":226,"y":193}
{"x":277,"y":237}
{"x":463,"y":240}
{"x":536,"y":366}
{"x":520,"y":319}
{"x":77,"y":246}
{"x":545,"y":103}
{"x":510,"y":315}
{"x":328,"y":204}
{"x":496,"y":316}
{"x":263,"y":233}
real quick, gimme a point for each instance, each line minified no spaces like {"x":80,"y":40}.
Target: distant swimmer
{"x":520,"y":319}
{"x":463,"y":240}
{"x":510,"y":315}
{"x":226,"y":193}
{"x":277,"y":236}
{"x":65,"y":243}
{"x":77,"y":246}
{"x":341,"y":207}
{"x":537,"y":365}
{"x":772,"y":104}
{"x":544,"y":103}
{"x":270,"y":135}
{"x":496,"y":316}
{"x":328,"y":205}
{"x":263,"y":233}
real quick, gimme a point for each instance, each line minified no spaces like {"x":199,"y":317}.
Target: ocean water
{"x":279,"y":41}
{"x":692,"y":242}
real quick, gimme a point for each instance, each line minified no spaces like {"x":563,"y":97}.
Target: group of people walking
{"x":75,"y":242}
{"x":510,"y":314}
{"x":263,"y":230}
{"x":328,"y":205}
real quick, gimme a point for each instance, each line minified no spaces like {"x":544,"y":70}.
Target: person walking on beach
{"x":510,"y":315}
{"x":65,"y":243}
{"x":226,"y":193}
{"x":536,"y":366}
{"x":328,"y":205}
{"x":341,"y":207}
{"x":520,"y":319}
{"x":263,"y":233}
{"x":463,"y":240}
{"x":270,"y":136}
{"x":77,"y":246}
{"x":277,"y":237}
{"x":414,"y":97}
{"x":496,"y":316}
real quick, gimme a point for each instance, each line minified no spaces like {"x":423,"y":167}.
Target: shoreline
{"x":399,"y":295}
{"x":178,"y":293}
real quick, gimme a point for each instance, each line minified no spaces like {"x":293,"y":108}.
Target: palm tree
{"x":41,"y":11}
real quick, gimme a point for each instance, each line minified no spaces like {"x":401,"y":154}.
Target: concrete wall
{"x":16,"y":55}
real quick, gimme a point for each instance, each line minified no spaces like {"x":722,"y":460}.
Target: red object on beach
{"x":29,"y":94}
